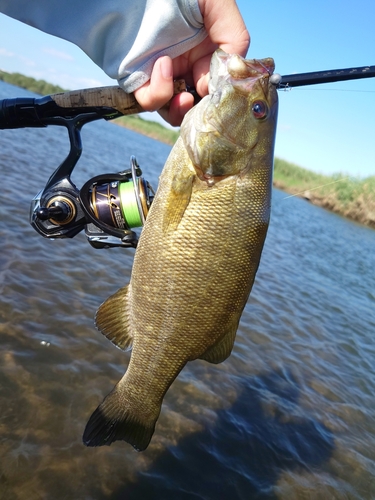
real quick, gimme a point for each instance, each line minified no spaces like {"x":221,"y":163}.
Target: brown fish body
{"x":198,"y":253}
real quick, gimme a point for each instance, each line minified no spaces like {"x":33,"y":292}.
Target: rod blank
{"x":332,"y":75}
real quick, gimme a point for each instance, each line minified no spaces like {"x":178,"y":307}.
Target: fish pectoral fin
{"x":178,"y":199}
{"x":113,"y":421}
{"x":220,"y":351}
{"x":112,"y":319}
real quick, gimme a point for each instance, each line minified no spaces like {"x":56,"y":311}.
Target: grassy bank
{"x":348,"y":196}
{"x":151,"y":129}
{"x":26,"y":82}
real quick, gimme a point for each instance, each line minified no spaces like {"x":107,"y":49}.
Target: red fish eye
{"x":259,"y":109}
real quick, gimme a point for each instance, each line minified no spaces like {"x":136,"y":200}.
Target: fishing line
{"x":313,"y":189}
{"x":330,"y":90}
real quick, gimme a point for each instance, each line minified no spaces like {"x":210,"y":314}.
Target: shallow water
{"x":290,"y":415}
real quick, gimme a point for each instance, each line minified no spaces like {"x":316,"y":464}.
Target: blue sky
{"x":326,"y":128}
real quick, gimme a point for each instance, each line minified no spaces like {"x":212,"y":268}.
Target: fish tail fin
{"x":112,"y":421}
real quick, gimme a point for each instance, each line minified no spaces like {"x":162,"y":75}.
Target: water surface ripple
{"x":290,"y":415}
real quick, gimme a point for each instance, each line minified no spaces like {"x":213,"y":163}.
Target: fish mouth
{"x":249,"y":77}
{"x":235,"y":70}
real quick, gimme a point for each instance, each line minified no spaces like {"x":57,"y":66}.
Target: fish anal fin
{"x":220,"y":351}
{"x":178,"y":199}
{"x":112,"y":319}
{"x":113,"y":421}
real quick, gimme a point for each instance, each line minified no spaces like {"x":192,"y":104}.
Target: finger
{"x":225,"y":26}
{"x":159,"y":89}
{"x":201,"y":74}
{"x":179,"y":106}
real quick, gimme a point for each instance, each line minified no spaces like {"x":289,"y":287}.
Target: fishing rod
{"x":112,"y":102}
{"x":328,"y":76}
{"x":108,"y":207}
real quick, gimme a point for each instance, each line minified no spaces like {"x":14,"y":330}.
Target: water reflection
{"x":244,"y":454}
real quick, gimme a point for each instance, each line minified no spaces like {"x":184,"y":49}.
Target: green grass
{"x":146,"y":127}
{"x":26,"y":82}
{"x":349,"y":196}
{"x":294,"y":176}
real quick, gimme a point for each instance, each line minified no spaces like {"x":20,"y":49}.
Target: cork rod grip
{"x":109,"y":97}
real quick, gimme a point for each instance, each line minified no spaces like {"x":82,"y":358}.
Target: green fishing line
{"x":129,"y":204}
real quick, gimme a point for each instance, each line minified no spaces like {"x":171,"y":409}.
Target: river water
{"x":290,"y":415}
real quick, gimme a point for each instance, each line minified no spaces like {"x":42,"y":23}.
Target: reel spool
{"x":117,"y":203}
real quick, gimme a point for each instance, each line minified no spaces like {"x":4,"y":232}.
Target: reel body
{"x":114,"y":204}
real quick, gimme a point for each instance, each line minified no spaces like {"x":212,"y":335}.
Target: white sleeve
{"x":123,"y":37}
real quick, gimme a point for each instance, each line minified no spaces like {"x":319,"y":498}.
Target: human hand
{"x":226,"y":29}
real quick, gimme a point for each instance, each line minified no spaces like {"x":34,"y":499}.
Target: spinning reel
{"x":108,"y":207}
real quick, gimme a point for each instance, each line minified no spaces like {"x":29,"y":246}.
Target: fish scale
{"x":199,"y":250}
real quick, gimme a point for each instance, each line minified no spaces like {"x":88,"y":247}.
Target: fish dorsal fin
{"x":112,"y":319}
{"x":220,"y":351}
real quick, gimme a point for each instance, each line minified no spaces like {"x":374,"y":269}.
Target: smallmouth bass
{"x":199,"y":250}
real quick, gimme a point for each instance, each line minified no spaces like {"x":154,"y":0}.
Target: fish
{"x":199,"y":249}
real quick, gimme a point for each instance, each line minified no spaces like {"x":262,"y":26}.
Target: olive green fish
{"x":198,"y":252}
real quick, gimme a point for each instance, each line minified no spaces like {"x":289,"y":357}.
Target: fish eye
{"x":259,"y":109}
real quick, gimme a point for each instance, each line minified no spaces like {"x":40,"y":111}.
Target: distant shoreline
{"x":350,"y":197}
{"x":27,"y":82}
{"x":347,"y":196}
